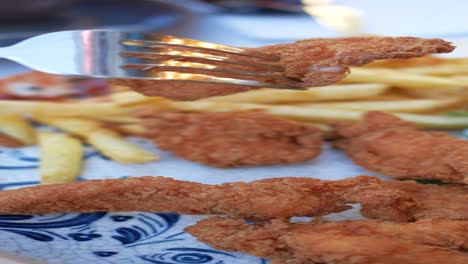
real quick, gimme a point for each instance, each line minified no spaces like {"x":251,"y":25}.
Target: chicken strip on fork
{"x":385,"y":144}
{"x":311,"y":62}
{"x":356,"y":242}
{"x":257,"y":200}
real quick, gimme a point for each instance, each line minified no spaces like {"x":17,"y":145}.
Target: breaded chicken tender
{"x":435,"y":201}
{"x":233,"y":139}
{"x":386,"y":144}
{"x":356,"y":242}
{"x":257,"y":200}
{"x":307,"y":63}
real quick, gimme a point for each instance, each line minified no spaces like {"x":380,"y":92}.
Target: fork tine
{"x":156,"y":40}
{"x":151,"y":57}
{"x":201,"y":78}
{"x":195,"y":67}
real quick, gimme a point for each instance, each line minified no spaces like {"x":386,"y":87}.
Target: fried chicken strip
{"x":435,"y":201}
{"x":233,"y":139}
{"x":257,"y":200}
{"x":386,"y":144}
{"x":313,"y":62}
{"x":357,"y":242}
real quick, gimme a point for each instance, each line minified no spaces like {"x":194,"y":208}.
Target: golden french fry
{"x":322,"y":126}
{"x":325,"y":93}
{"x":108,"y":142}
{"x":60,"y":158}
{"x":118,"y":88}
{"x":324,"y":114}
{"x":436,"y":121}
{"x":313,"y":113}
{"x":408,"y":106}
{"x":132,"y":129}
{"x":438,"y":70}
{"x":463,"y":78}
{"x":132,"y":98}
{"x":318,"y":114}
{"x":434,"y":93}
{"x":122,"y":119}
{"x":77,"y":126}
{"x":17,"y":128}
{"x":208,"y":106}
{"x":10,"y":107}
{"x":402,"y":79}
{"x":112,"y":145}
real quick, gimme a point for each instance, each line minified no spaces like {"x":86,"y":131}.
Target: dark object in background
{"x":27,"y":18}
{"x":248,"y":6}
{"x":31,"y":9}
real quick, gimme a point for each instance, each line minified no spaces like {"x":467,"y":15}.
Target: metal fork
{"x":147,"y":56}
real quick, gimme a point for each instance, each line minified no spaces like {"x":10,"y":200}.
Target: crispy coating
{"x":385,"y":144}
{"x":257,"y":200}
{"x":435,"y":201}
{"x":314,"y":62}
{"x":356,"y":242}
{"x":7,"y":141}
{"x":233,"y":139}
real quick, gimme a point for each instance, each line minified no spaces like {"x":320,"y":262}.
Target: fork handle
{"x":6,"y":53}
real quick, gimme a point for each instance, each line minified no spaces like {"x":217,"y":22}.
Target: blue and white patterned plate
{"x":132,"y":237}
{"x":135,"y":237}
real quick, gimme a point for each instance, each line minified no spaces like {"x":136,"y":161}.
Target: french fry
{"x":10,"y":107}
{"x":463,"y":78}
{"x":208,"y":106}
{"x":323,"y":114}
{"x":77,"y":126}
{"x":438,"y":70}
{"x":322,"y":126}
{"x":108,"y":142}
{"x":325,"y":93}
{"x":408,"y":106}
{"x":17,"y":128}
{"x":123,"y":119}
{"x":416,"y":62}
{"x":132,"y":98}
{"x":436,"y":121}
{"x":435,"y":93}
{"x":314,"y":114}
{"x":60,"y":158}
{"x":112,"y":145}
{"x":319,"y":114}
{"x":402,"y":79}
{"x":132,"y":129}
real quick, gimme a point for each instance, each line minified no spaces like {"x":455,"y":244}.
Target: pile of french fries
{"x":101,"y":125}
{"x":431,"y":92}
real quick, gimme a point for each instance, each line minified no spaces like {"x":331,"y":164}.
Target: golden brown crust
{"x":233,"y":139}
{"x":436,"y":201}
{"x":357,"y":242}
{"x":259,"y":200}
{"x":316,"y":62}
{"x":385,"y":144}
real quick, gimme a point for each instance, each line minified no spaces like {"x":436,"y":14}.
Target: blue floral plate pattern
{"x":127,"y":237}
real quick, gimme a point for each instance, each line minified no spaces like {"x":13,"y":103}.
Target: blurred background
{"x":238,"y":22}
